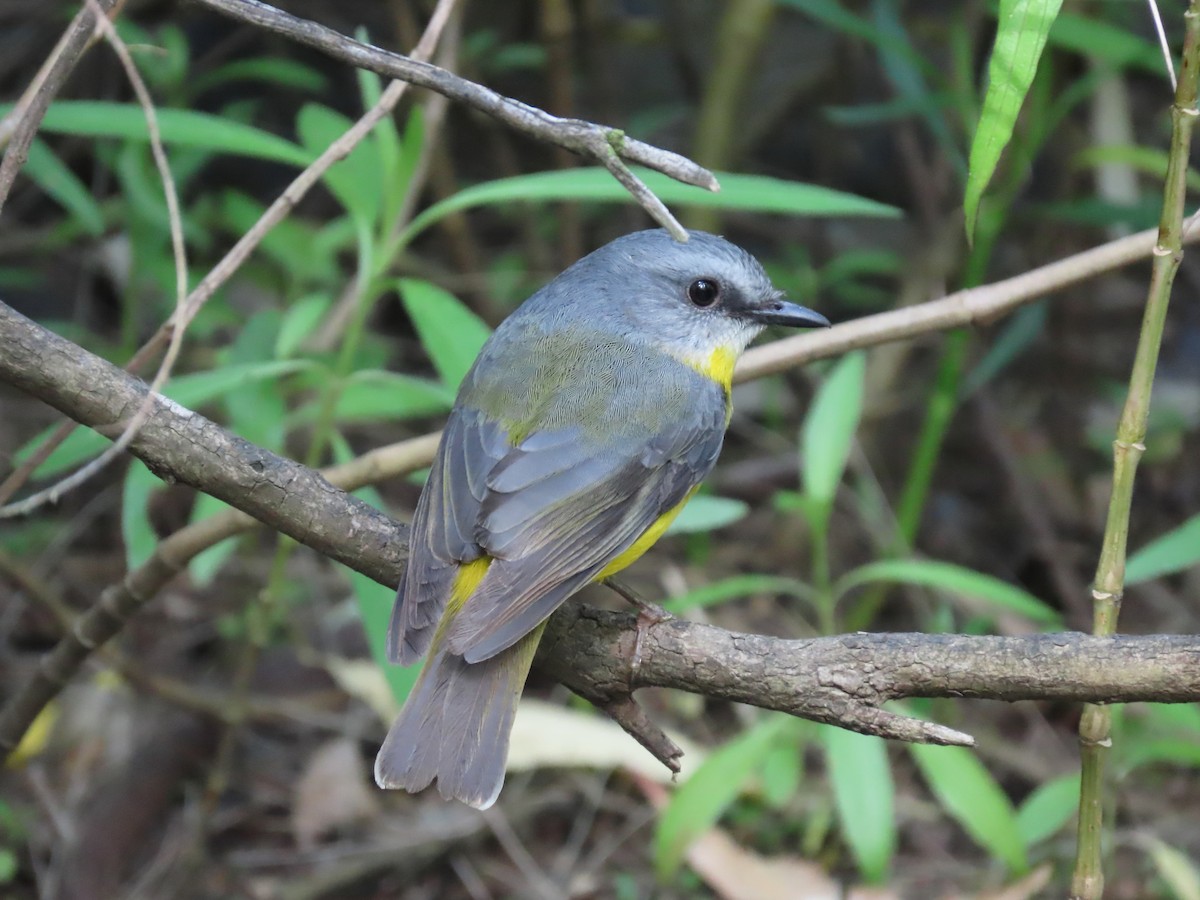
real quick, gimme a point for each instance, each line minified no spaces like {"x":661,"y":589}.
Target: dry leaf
{"x":332,"y":792}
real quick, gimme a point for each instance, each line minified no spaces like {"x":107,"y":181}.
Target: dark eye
{"x":704,"y":292}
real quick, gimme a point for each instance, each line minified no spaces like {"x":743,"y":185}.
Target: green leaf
{"x":971,"y":796}
{"x":782,"y":771}
{"x":1172,"y":552}
{"x":136,"y":530}
{"x":705,"y":512}
{"x":268,"y":70}
{"x":1048,"y":809}
{"x":298,"y":323}
{"x":205,"y":565}
{"x":1175,"y":868}
{"x":182,"y":127}
{"x":954,"y":579}
{"x":705,"y":796}
{"x":1021,"y":33}
{"x":1105,"y":42}
{"x":373,"y":395}
{"x":829,"y":428}
{"x":1018,"y":335}
{"x":53,"y":177}
{"x":863,"y":793}
{"x":745,"y":192}
{"x":738,"y":586}
{"x":354,"y":180}
{"x":451,"y":334}
{"x":191,"y":391}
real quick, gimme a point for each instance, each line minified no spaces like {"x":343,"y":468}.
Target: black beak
{"x":781,"y":312}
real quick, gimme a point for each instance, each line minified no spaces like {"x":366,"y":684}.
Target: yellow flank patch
{"x":646,"y":541}
{"x":466,"y":580}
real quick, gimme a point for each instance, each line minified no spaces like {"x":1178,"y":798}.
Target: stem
{"x":1095,"y":728}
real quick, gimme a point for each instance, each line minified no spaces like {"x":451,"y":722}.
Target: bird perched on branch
{"x":590,"y":417}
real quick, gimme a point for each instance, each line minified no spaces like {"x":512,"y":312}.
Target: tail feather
{"x":455,"y":726}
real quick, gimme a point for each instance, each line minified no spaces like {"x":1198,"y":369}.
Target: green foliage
{"x":451,"y":334}
{"x":863,"y":793}
{"x":968,"y":792}
{"x":1048,"y":809}
{"x":1175,"y":551}
{"x":708,"y":793}
{"x":1021,"y":33}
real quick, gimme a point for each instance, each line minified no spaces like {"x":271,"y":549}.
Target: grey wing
{"x":555,"y":515}
{"x":443,"y":528}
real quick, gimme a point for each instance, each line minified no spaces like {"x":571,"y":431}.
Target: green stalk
{"x":1095,"y":728}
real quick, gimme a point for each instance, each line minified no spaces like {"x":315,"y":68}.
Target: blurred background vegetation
{"x":952,"y":483}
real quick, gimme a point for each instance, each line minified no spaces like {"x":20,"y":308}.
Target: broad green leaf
{"x":747,"y":192}
{"x":184,"y":127}
{"x":1021,"y":32}
{"x":863,"y":793}
{"x":1172,"y":552}
{"x":971,"y":796}
{"x":299,"y":321}
{"x":705,"y":796}
{"x":136,"y":530}
{"x":1048,"y":809}
{"x":353,"y":180}
{"x":53,"y":177}
{"x":374,"y":395}
{"x":829,"y":428}
{"x":738,"y":586}
{"x":782,"y":771}
{"x":451,"y":334}
{"x":954,"y":579}
{"x":705,"y":512}
{"x":192,"y":391}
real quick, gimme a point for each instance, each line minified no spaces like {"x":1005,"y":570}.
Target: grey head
{"x":688,"y":299}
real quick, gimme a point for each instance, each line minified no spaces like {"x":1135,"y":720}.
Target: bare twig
{"x":20,"y":126}
{"x":175,"y":223}
{"x":608,"y":146}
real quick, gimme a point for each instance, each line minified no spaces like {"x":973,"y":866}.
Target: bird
{"x":589,"y":418}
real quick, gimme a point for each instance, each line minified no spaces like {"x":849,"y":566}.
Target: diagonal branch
{"x":608,"y":146}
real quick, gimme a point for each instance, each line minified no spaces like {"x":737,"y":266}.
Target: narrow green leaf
{"x":782,"y":771}
{"x":451,"y":334}
{"x":192,"y":391}
{"x":372,"y":395}
{"x":298,"y":323}
{"x":1048,"y":809}
{"x":268,"y":70}
{"x":136,"y":530}
{"x":1112,"y":44}
{"x":746,"y":192}
{"x":967,"y":791}
{"x":705,"y":796}
{"x":863,"y":794}
{"x":1175,"y":868}
{"x":1172,"y":552}
{"x":954,"y":579}
{"x":829,"y":427}
{"x":353,"y":180}
{"x":705,"y":512}
{"x":204,"y":566}
{"x":53,"y":177}
{"x":1021,"y":33}
{"x":184,"y":127}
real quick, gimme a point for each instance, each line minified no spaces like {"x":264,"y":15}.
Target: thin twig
{"x":53,"y":493}
{"x":20,"y":126}
{"x":608,"y":146}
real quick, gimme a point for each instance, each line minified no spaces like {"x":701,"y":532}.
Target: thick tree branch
{"x":840,"y":680}
{"x":608,"y":146}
